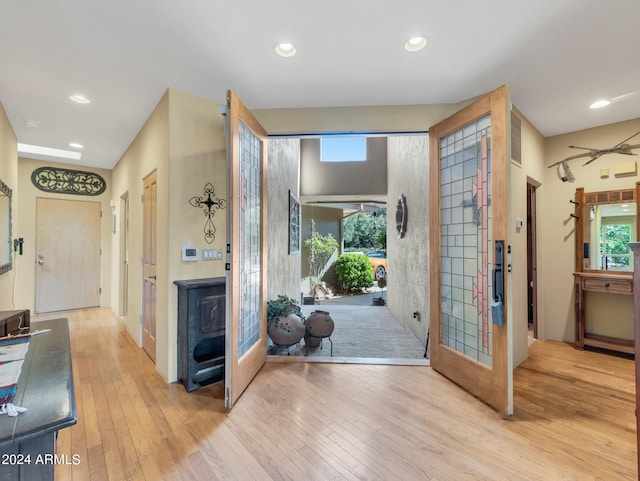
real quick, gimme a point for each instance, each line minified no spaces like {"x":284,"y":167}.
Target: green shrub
{"x":354,"y":271}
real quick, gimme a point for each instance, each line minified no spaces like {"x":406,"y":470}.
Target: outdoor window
{"x":614,"y":246}
{"x":343,"y":148}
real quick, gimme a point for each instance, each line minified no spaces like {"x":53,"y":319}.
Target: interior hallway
{"x":574,"y":420}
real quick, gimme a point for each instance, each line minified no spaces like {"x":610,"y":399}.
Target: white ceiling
{"x":557,"y":55}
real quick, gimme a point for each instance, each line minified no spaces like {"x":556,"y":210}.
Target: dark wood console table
{"x":45,"y":388}
{"x":14,"y":322}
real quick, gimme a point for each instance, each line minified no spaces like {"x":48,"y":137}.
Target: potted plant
{"x":285,"y":321}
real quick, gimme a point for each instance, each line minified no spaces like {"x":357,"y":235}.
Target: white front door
{"x":67,"y":254}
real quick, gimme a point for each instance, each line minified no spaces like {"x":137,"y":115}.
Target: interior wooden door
{"x":468,"y":219}
{"x":68,"y":255}
{"x":149,"y":199}
{"x":124,"y":255}
{"x":246,"y":325}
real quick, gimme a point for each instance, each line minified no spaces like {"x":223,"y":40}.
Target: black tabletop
{"x":45,"y":386}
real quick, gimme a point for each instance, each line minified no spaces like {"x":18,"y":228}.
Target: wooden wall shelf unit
{"x":599,"y":271}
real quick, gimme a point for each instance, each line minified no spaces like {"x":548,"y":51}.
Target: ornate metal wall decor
{"x":208,"y":203}
{"x":401,"y":216}
{"x":294,"y":224}
{"x":67,"y":181}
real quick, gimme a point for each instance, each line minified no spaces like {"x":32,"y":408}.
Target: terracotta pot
{"x":286,"y":330}
{"x":318,"y":326}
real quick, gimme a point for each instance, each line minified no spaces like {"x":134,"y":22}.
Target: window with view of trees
{"x":614,"y":246}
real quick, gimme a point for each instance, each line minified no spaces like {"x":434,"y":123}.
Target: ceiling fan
{"x":621,"y":148}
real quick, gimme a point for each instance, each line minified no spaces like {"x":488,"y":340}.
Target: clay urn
{"x":318,"y":326}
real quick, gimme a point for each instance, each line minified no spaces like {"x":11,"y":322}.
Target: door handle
{"x":40,"y":259}
{"x":152,"y":277}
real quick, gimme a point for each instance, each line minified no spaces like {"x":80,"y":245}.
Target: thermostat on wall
{"x":190,"y":253}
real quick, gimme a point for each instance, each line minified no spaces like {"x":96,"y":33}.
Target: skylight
{"x":48,"y":151}
{"x":343,"y":148}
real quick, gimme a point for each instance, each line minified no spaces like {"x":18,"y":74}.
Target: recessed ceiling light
{"x":81,"y":99}
{"x":48,"y":151}
{"x":76,"y":145}
{"x":599,"y":104}
{"x":285,"y":49}
{"x":417,"y":43}
{"x":31,"y":123}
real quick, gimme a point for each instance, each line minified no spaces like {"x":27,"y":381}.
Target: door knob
{"x":40,"y":259}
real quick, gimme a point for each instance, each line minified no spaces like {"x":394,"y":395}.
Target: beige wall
{"x":197,"y":156}
{"x":530,"y":170}
{"x":183,"y":141}
{"x":9,"y":175}
{"x":26,"y":280}
{"x":558,"y":239}
{"x":394,"y":118}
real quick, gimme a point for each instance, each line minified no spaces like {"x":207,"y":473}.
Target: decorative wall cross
{"x":208,"y":202}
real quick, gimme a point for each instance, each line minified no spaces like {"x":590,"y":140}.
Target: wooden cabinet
{"x":201,"y":331}
{"x":14,"y":322}
{"x":598,"y":282}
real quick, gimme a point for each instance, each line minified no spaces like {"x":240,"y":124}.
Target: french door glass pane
{"x":250,"y":248}
{"x":466,"y":244}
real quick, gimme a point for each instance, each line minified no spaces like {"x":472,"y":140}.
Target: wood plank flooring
{"x":574,"y":420}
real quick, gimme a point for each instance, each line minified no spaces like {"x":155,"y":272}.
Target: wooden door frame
{"x":124,"y":257}
{"x":149,"y":348}
{"x":532,"y":249}
{"x":474,"y":376}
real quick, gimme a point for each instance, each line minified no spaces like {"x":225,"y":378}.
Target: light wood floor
{"x":574,"y":420}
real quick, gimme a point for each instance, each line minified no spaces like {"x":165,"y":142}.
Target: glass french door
{"x":246,"y":334}
{"x":468,"y":228}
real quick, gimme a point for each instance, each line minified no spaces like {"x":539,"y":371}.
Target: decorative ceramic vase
{"x":286,"y":331}
{"x":318,"y":326}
